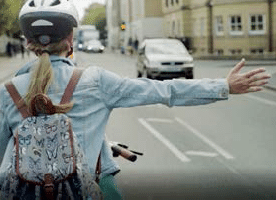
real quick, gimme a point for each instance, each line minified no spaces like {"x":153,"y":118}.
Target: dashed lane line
{"x":205,"y":139}
{"x":165,"y":141}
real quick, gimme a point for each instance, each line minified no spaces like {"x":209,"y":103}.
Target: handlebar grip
{"x":124,"y":153}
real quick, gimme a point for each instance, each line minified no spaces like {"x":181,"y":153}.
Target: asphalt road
{"x":224,"y":150}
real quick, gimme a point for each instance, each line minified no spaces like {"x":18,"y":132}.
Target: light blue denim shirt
{"x":96,"y":95}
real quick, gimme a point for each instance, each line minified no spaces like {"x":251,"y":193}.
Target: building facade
{"x":243,"y":27}
{"x":113,"y":18}
{"x":142,"y":19}
{"x":223,"y":27}
{"x":206,"y":27}
{"x":177,"y":20}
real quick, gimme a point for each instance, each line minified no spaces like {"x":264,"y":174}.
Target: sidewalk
{"x":9,"y":66}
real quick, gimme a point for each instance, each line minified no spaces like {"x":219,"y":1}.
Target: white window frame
{"x":196,"y":27}
{"x":257,"y":32}
{"x":219,"y":25}
{"x":236,"y":24}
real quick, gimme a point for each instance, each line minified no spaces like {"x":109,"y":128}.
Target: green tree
{"x":95,"y":15}
{"x":9,"y":10}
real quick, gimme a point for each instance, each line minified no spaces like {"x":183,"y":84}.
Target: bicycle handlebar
{"x":121,"y":150}
{"x":124,"y":153}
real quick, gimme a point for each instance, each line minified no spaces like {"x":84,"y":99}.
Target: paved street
{"x":9,"y":65}
{"x":224,"y":150}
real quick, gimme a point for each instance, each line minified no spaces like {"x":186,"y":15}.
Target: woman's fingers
{"x":238,"y":66}
{"x":254,"y":72}
{"x":258,"y":83}
{"x":254,"y":89}
{"x":257,"y":78}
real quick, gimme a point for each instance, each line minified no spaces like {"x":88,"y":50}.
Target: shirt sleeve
{"x":127,"y":92}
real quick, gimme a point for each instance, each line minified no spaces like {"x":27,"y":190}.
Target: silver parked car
{"x":94,"y":46}
{"x":164,"y":58}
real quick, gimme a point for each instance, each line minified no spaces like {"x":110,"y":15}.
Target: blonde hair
{"x":42,"y":74}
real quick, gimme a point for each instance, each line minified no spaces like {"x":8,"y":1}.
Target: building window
{"x":235,"y":51}
{"x":219,"y":25}
{"x":178,"y":28}
{"x":219,"y":52}
{"x":172,"y":2}
{"x":176,"y":1}
{"x":167,"y":3}
{"x":236,"y":25}
{"x":257,"y":51}
{"x":173,"y":29}
{"x":257,"y":24}
{"x":196,"y":27}
{"x":202,"y":26}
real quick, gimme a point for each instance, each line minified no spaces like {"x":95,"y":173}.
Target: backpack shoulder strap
{"x":22,"y":107}
{"x":71,"y":85}
{"x":18,"y":100}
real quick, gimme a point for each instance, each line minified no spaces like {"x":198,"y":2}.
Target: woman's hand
{"x":248,"y":82}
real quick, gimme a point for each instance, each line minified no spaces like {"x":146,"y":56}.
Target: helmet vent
{"x":56,"y":2}
{"x":31,"y":4}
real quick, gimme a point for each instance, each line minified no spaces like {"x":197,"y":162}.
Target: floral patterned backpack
{"x":47,"y":161}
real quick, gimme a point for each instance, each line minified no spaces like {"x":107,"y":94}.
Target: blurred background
{"x":220,"y":151}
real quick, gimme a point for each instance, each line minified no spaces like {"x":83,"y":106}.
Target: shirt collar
{"x":55,"y":58}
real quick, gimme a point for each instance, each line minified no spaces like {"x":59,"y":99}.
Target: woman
{"x":48,"y":27}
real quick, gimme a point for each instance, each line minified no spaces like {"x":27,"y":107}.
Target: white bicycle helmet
{"x":48,"y":21}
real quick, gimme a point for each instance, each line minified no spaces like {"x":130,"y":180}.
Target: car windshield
{"x":166,"y":48}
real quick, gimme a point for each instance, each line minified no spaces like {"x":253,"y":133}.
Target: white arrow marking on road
{"x":165,"y":141}
{"x":201,"y":153}
{"x":205,"y":139}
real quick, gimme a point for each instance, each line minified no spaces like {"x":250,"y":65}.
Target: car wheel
{"x":189,"y":75}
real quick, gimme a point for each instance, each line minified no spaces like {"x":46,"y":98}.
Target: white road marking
{"x":205,"y":139}
{"x":201,"y":153}
{"x":160,"y":120}
{"x":265,"y":101}
{"x":165,"y":141}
